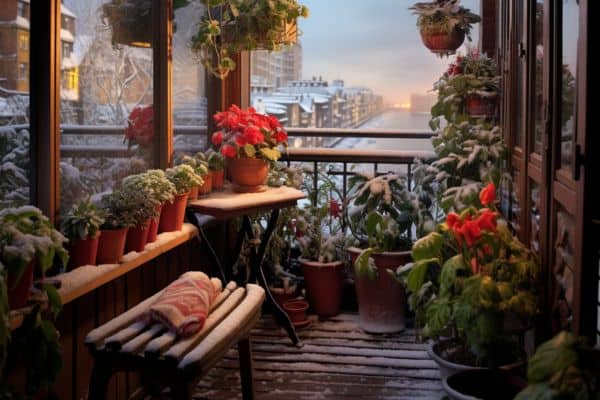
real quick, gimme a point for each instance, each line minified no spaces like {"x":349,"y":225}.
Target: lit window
{"x":23,"y":71}
{"x":24,"y":41}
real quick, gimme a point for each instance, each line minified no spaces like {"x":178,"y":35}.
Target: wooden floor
{"x":337,"y":361}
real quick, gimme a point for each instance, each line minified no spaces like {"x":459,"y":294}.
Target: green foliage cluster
{"x":230,"y":26}
{"x":127,"y":208}
{"x":197,"y":162}
{"x":444,"y":16}
{"x":183,"y":177}
{"x":215,"y":160}
{"x":153,"y":183}
{"x":82,"y":221}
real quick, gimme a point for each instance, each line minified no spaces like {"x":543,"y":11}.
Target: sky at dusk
{"x":372,"y":43}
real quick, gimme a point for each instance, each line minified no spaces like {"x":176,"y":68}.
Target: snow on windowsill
{"x":85,"y":279}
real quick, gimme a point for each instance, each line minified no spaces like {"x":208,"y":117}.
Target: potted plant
{"x":320,"y":235}
{"x":130,"y":21}
{"x":81,"y":225}
{"x":184,"y":179}
{"x":467,"y":90}
{"x":27,"y":240}
{"x":144,"y":210}
{"x":380,"y":213}
{"x":230,"y":26}
{"x":200,"y":168}
{"x":472,"y":287}
{"x":120,"y":215}
{"x":205,"y":173}
{"x":563,"y":368}
{"x":216,"y":166}
{"x":249,"y":141}
{"x":443,"y":24}
{"x":157,"y":188}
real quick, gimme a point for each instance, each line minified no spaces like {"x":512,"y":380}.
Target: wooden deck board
{"x":337,"y":361}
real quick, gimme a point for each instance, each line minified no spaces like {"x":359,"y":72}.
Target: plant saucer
{"x":302,"y":324}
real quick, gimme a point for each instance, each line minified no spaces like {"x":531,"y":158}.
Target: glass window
{"x":358,"y":66}
{"x":570,"y":36}
{"x":21,"y":9}
{"x":24,"y":41}
{"x":538,"y":95}
{"x":519,"y":109}
{"x":15,"y":161}
{"x":106,"y":96}
{"x":189,"y":97}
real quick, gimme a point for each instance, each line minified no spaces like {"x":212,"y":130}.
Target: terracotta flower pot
{"x":111,"y":246}
{"x":207,"y":187}
{"x":324,"y":284}
{"x":381,"y":301}
{"x":18,"y":292}
{"x":296,"y":310}
{"x":444,"y":43}
{"x":478,"y":106}
{"x":83,"y":252}
{"x":172,"y":215}
{"x":248,"y":174}
{"x":282,"y":295}
{"x":137,"y":238}
{"x":153,"y":227}
{"x":218,"y":179}
{"x":194,"y":193}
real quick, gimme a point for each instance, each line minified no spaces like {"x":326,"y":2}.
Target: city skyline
{"x":376,"y":45}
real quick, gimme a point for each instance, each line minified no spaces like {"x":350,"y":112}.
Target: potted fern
{"x":81,"y":225}
{"x":230,"y":26}
{"x":443,"y":24}
{"x":184,"y":179}
{"x":381,"y":213}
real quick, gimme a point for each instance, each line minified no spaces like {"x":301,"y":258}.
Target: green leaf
{"x":417,"y":276}
{"x":452,"y":268}
{"x":438,"y":316}
{"x":364,"y":265}
{"x":249,"y":150}
{"x":373,"y":221}
{"x":539,"y":391}
{"x":54,"y":301}
{"x":428,"y":246}
{"x":552,"y":357}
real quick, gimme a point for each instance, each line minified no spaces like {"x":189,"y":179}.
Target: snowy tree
{"x":14,"y":167}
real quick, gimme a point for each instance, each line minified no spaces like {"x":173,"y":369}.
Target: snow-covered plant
{"x":467,"y":158}
{"x":381,"y":211}
{"x":444,"y":16}
{"x":320,"y":233}
{"x":127,"y":208}
{"x":215,"y":160}
{"x":471,"y":74}
{"x":82,"y":221}
{"x":197,"y":162}
{"x":184,"y":178}
{"x":14,"y":164}
{"x":153,"y":183}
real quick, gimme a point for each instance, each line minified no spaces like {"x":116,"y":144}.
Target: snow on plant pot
{"x":229,"y":27}
{"x":249,"y":141}
{"x":381,"y":214}
{"x":27,"y":240}
{"x":443,"y":24}
{"x":157,"y":188}
{"x":466,"y":277}
{"x":184,"y":178}
{"x":81,"y":225}
{"x":200,"y":167}
{"x":121,"y":211}
{"x":320,"y":236}
{"x":216,"y":165}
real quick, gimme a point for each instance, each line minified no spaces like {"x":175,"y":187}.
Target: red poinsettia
{"x":488,"y":195}
{"x":335,"y":209}
{"x":140,"y":126}
{"x":246,"y":133}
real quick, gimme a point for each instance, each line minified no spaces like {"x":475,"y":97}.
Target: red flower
{"x":140,"y":125}
{"x":253,"y":135}
{"x":452,"y":219}
{"x":217,"y":138}
{"x":475,"y":266}
{"x":228,"y":151}
{"x":470,"y":231}
{"x":335,"y":209}
{"x":240,"y":140}
{"x":280,"y":136}
{"x":488,"y":194}
{"x":487,"y":220}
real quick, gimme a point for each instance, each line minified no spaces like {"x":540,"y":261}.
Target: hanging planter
{"x":481,"y":105}
{"x":443,"y":25}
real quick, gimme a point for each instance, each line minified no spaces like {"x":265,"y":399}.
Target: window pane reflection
{"x":570,"y":34}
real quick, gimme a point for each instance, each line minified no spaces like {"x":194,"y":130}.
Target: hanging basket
{"x":443,"y":43}
{"x":478,"y":106}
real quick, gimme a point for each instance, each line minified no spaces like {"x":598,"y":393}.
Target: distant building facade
{"x":274,"y":69}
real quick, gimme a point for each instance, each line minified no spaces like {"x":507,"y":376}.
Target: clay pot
{"x":248,"y":174}
{"x":478,"y":106}
{"x":18,"y":292}
{"x":381,"y":301}
{"x":111,"y":246}
{"x":193,"y":193}
{"x":218,"y":179}
{"x":206,"y":188}
{"x":443,"y":43}
{"x":137,"y":238}
{"x":83,"y":252}
{"x":153,"y":227}
{"x":282,"y":295}
{"x":172,"y":215}
{"x":483,"y":384}
{"x":324,"y":284}
{"x":296,"y":310}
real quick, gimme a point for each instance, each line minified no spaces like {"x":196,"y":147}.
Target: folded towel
{"x":184,"y":305}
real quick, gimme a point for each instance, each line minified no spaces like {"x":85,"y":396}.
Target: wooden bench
{"x":163,"y":360}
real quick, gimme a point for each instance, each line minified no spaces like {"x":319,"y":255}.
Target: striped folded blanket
{"x":184,"y":305}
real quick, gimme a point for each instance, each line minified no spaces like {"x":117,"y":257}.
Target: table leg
{"x":192,"y":217}
{"x":256,"y":270}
